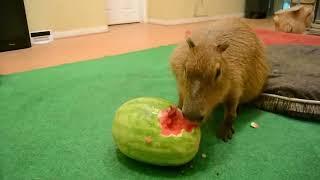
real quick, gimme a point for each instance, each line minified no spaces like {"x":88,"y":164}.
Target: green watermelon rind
{"x":142,"y":114}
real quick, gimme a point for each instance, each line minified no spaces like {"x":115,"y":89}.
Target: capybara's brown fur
{"x":222,"y":63}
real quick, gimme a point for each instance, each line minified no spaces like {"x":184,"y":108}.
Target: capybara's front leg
{"x":226,"y":128}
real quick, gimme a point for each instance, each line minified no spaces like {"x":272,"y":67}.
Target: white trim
{"x":145,"y":11}
{"x":79,"y":32}
{"x":192,"y":20}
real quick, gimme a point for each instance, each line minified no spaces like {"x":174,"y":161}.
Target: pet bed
{"x":293,"y":86}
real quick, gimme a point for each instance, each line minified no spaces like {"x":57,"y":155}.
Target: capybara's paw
{"x":225,"y":132}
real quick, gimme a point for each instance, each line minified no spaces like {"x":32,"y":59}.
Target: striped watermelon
{"x":150,"y":130}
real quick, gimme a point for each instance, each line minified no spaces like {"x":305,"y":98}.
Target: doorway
{"x":125,"y":11}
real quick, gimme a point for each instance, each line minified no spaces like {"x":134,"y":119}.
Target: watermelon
{"x":153,"y":131}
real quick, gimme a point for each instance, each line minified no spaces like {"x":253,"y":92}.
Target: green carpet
{"x":55,"y":123}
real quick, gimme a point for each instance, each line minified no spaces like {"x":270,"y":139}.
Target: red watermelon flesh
{"x":173,"y":122}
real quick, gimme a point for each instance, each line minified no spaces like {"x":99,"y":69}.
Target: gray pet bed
{"x":293,"y":87}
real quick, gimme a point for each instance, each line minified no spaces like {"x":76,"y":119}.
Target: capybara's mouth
{"x":173,"y":122}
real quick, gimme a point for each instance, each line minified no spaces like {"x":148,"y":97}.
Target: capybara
{"x":222,"y":63}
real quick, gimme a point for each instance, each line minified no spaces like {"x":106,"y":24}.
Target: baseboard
{"x":192,"y":20}
{"x":79,"y":32}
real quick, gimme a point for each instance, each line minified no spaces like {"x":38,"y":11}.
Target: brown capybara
{"x":222,"y":63}
{"x":293,"y":20}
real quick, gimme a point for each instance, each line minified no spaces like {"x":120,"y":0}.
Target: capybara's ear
{"x":190,"y":43}
{"x":189,"y":40}
{"x":222,"y":47}
{"x":217,"y":70}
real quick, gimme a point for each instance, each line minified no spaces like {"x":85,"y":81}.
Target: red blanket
{"x":272,"y":38}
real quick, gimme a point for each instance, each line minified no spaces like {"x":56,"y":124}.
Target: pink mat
{"x":270,"y":37}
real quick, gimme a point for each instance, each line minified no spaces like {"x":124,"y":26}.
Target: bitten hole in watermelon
{"x":173,"y":122}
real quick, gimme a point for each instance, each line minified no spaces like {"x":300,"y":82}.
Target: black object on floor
{"x":258,"y":9}
{"x":14,"y":33}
